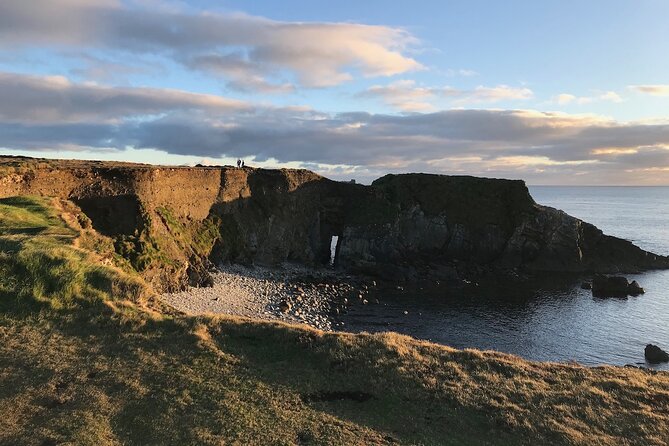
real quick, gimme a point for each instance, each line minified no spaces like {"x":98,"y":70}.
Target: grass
{"x":83,"y":362}
{"x":198,"y":237}
{"x":40,"y":264}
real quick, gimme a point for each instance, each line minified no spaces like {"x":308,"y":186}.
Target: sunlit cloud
{"x":403,"y":95}
{"x":407,"y":96}
{"x":54,"y":99}
{"x":566,"y":98}
{"x":614,"y":151}
{"x":236,"y":47}
{"x":654,"y":90}
{"x":521,"y":161}
{"x":497,"y":94}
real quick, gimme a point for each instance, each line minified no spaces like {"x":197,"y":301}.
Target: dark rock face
{"x":634,"y":289}
{"x":421,"y":220}
{"x":402,"y":227}
{"x":615,"y":286}
{"x":655,"y":354}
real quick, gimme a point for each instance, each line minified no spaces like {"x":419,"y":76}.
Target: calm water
{"x":553,"y":320}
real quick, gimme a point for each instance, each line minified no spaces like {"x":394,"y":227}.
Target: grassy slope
{"x":86,"y":358}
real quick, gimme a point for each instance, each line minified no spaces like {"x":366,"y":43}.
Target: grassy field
{"x":88,"y":357}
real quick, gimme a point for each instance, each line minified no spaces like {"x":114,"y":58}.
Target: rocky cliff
{"x":169,"y":222}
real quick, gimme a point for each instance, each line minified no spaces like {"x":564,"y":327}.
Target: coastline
{"x":93,"y":357}
{"x":451,"y":314}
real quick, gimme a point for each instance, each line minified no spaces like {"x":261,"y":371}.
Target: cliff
{"x":169,"y":222}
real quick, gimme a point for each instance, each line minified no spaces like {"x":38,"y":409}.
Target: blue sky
{"x":552,"y":92}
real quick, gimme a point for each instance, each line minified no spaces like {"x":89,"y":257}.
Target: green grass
{"x":41,"y":266}
{"x":96,"y":364}
{"x":196,"y":236}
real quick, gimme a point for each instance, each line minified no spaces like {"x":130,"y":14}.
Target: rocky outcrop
{"x":615,"y":286}
{"x":441,"y":220}
{"x":171,"y":221}
{"x":655,"y":354}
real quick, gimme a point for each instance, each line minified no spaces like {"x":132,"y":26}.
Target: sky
{"x":553,"y":92}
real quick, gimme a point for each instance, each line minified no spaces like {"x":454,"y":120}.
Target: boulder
{"x":655,"y":354}
{"x":634,"y":289}
{"x":614,"y":286}
{"x":284,"y":306}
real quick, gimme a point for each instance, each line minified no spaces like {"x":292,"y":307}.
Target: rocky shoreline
{"x":290,"y":293}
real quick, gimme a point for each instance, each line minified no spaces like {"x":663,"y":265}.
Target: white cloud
{"x":654,"y":90}
{"x":405,"y":95}
{"x":460,"y":72}
{"x":497,"y":94}
{"x":566,"y":98}
{"x":610,"y":96}
{"x":316,"y":54}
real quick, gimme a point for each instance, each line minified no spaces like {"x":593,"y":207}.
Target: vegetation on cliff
{"x":89,"y":358}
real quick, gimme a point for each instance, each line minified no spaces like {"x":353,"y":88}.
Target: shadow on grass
{"x":357,"y":378}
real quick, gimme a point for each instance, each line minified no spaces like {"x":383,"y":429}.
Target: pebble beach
{"x":290,"y":293}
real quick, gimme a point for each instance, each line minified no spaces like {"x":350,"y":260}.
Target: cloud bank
{"x":54,"y":99}
{"x":46,"y":113}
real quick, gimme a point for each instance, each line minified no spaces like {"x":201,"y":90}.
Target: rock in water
{"x":615,"y":286}
{"x":586,"y":286}
{"x":634,"y":289}
{"x":655,"y":354}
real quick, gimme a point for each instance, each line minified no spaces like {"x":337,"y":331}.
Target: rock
{"x":655,"y":354}
{"x":614,"y":286}
{"x":284,"y":306}
{"x":586,"y":286}
{"x":634,"y":289}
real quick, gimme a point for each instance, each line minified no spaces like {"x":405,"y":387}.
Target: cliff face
{"x":431,"y":221}
{"x":170,"y":221}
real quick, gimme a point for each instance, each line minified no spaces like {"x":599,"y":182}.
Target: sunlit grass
{"x":40,"y":264}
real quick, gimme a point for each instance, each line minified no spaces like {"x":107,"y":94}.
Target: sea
{"x":550,"y":318}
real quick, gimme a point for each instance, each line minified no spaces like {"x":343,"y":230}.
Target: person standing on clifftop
{"x":239,"y":163}
{"x":242,"y":164}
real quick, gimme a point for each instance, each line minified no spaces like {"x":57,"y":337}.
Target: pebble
{"x":292,"y":293}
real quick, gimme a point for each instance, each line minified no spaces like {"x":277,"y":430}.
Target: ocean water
{"x":550,"y":319}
